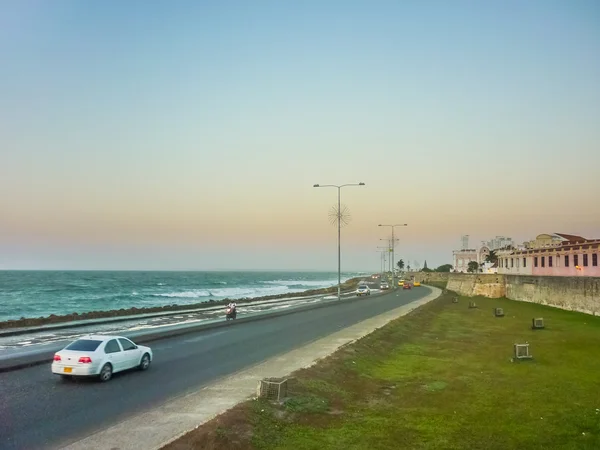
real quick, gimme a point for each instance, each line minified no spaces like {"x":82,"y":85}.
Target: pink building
{"x":561,"y":255}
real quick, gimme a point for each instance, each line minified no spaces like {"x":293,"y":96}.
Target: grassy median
{"x":439,"y":378}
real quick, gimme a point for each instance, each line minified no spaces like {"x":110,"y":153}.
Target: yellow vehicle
{"x":401,"y":283}
{"x":417,"y":283}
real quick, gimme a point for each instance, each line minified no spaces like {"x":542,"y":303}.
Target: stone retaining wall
{"x":572,"y":293}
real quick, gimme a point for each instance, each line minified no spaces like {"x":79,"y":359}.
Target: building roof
{"x":571,"y":237}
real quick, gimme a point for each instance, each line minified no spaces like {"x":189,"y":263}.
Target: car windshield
{"x":362,"y":287}
{"x":84,"y":345}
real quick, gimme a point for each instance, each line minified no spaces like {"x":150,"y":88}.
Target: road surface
{"x":39,"y":410}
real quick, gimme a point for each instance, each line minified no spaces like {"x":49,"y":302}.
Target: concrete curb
{"x":163,"y":425}
{"x":45,"y":356}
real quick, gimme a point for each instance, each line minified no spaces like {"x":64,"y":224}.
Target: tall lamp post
{"x":339,"y":223}
{"x":382,"y":262}
{"x":393,"y":242}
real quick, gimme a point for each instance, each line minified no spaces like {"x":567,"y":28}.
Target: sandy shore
{"x":349,"y":285}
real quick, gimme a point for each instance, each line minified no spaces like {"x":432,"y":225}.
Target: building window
{"x":543,"y":261}
{"x":575,"y":260}
{"x":585,"y":260}
{"x":566,"y":260}
{"x":512,"y":262}
{"x":535,"y":261}
{"x":549,"y":261}
{"x":524,"y":262}
{"x":595,"y":260}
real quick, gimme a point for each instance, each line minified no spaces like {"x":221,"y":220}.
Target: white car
{"x":363,"y":289}
{"x":101,"y":356}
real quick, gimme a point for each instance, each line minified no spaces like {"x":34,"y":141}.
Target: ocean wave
{"x":185,"y":294}
{"x":232,"y":292}
{"x":303,"y":283}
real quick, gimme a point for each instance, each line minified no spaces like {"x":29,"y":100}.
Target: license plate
{"x":68,"y":369}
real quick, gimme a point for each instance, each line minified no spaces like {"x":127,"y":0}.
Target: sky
{"x":189,"y":134}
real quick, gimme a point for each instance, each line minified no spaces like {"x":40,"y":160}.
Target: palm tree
{"x":492,"y":257}
{"x":400,"y":264}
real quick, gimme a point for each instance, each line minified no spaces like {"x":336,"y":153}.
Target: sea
{"x":33,"y":294}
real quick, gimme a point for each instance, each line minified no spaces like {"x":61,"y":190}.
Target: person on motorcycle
{"x":232,"y":306}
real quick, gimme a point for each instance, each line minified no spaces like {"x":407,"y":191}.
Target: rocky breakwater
{"x":347,"y":286}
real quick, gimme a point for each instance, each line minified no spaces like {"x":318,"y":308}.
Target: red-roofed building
{"x":555,"y":254}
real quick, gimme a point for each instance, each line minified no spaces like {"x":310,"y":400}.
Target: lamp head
{"x":315,"y":185}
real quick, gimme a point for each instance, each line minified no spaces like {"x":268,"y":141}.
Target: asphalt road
{"x":39,"y":410}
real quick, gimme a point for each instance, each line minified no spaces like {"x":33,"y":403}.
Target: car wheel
{"x":145,"y":362}
{"x":106,"y":372}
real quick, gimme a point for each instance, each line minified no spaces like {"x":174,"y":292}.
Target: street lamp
{"x":339,"y":221}
{"x":393,"y":242}
{"x":382,"y":262}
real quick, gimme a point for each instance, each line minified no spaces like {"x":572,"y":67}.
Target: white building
{"x":462,"y":258}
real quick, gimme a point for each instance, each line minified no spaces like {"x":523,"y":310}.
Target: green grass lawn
{"x":439,"y":378}
{"x":438,"y":284}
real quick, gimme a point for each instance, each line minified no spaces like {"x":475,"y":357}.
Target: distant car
{"x":401,"y":283}
{"x":363,"y":289}
{"x":100,"y":356}
{"x":407,"y":286}
{"x":384,"y":286}
{"x":417,"y":283}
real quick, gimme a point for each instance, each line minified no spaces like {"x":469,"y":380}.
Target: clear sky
{"x":188,"y":135}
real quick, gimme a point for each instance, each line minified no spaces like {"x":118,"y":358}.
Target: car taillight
{"x":57,"y":358}
{"x":85,"y":360}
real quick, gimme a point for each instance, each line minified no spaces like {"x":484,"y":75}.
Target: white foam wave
{"x":316,"y":284}
{"x":238,"y":292}
{"x":185,"y":294}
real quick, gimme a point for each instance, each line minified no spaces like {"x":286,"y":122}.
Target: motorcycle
{"x":230,"y":313}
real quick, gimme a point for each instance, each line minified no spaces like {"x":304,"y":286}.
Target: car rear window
{"x":84,"y":345}
{"x":362,"y":287}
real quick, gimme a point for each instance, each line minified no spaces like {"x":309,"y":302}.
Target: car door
{"x":115,"y":355}
{"x":131,"y":353}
